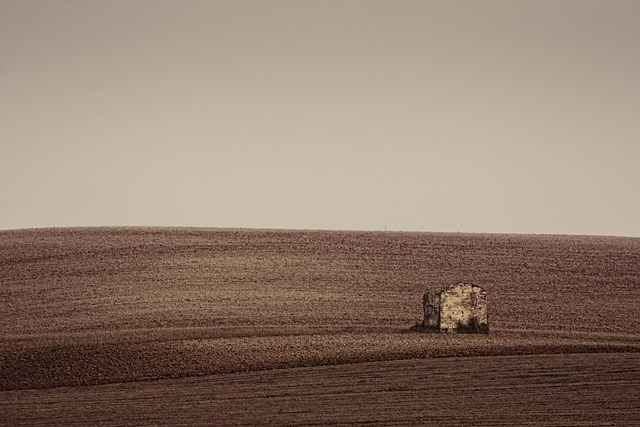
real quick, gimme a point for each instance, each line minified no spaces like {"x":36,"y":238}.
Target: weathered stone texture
{"x":431,"y":311}
{"x":457,"y":308}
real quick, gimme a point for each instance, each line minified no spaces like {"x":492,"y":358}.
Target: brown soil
{"x":86,"y":308}
{"x":541,"y":390}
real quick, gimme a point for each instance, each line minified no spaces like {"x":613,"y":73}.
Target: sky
{"x":493,"y":116}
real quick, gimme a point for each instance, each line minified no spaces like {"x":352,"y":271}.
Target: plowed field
{"x":210,"y":326}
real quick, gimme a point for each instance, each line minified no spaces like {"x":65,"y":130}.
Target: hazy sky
{"x":482,"y":116}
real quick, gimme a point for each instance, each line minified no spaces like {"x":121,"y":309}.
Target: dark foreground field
{"x":567,"y":390}
{"x":115,"y":326}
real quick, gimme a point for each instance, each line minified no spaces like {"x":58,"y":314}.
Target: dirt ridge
{"x":92,"y":364}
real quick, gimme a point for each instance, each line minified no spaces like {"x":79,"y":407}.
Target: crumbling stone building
{"x":457,"y":308}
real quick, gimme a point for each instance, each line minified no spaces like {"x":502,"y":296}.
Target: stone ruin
{"x":456,"y":308}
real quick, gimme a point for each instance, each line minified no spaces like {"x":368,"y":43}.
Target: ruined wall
{"x":431,"y":305}
{"x":463,"y":308}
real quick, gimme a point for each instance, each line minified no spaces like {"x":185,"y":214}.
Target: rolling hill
{"x":220,"y":326}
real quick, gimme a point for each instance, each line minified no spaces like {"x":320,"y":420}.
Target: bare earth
{"x":180,"y":326}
